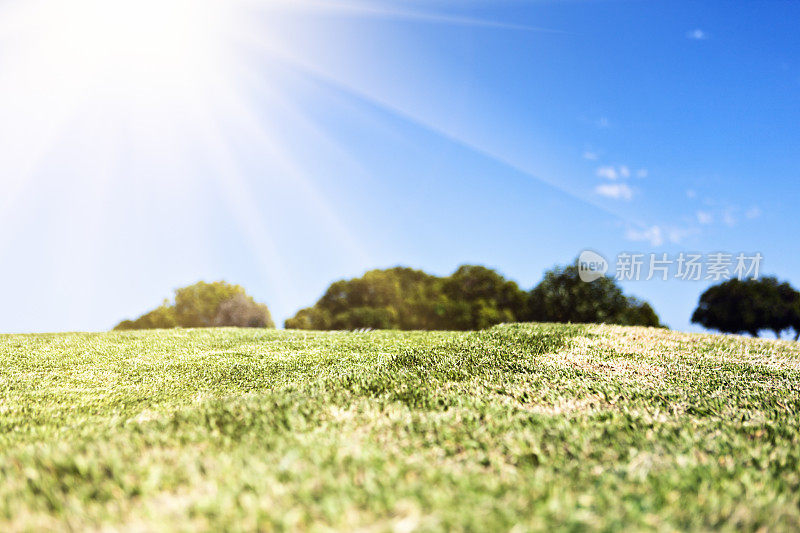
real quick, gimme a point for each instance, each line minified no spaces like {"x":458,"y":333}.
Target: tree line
{"x":473,"y":297}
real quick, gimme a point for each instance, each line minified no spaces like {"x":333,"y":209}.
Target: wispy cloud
{"x":609,"y":173}
{"x":676,"y":235}
{"x":704,"y":217}
{"x":727,"y":215}
{"x":617,"y":191}
{"x":591,"y":156}
{"x":728,"y":218}
{"x":657,"y":235}
{"x":697,"y":35}
{"x":753,"y":212}
{"x":654,"y":235}
{"x":691,"y":193}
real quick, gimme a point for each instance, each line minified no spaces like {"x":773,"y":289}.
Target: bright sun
{"x":176,"y":99}
{"x":126,"y":49}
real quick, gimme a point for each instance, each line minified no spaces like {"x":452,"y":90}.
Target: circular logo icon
{"x":591,"y":266}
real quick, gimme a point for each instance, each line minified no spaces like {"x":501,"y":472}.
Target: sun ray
{"x":174,"y":82}
{"x":239,"y":194}
{"x":307,"y":66}
{"x":385,"y":10}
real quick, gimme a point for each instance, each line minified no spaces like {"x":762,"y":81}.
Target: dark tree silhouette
{"x":563,"y":297}
{"x":749,"y":306}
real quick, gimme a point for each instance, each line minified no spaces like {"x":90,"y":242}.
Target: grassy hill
{"x":522,"y":426}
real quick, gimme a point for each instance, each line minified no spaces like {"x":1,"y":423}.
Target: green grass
{"x":520,"y":427}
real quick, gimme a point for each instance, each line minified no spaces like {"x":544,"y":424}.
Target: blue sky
{"x":284,"y":145}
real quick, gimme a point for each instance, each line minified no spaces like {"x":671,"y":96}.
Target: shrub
{"x":204,"y":305}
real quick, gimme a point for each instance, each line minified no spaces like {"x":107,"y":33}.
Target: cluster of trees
{"x":473,"y":297}
{"x":203,"y":305}
{"x":563,"y":297}
{"x":750,"y":306}
{"x":476,"y":297}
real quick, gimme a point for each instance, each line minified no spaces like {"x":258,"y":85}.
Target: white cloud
{"x":697,"y":35}
{"x":617,"y":191}
{"x":691,"y":193}
{"x":591,"y":156}
{"x":623,"y":171}
{"x":657,"y":235}
{"x":704,"y":217}
{"x":654,"y":235}
{"x":753,"y":212}
{"x":609,"y":173}
{"x":728,"y":218}
{"x":602,"y":122}
{"x":676,"y":235}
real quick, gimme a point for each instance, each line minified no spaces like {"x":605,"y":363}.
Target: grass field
{"x":520,"y":427}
